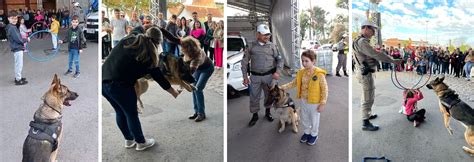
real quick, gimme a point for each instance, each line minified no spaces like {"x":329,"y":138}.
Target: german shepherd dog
{"x":451,"y":106}
{"x":45,"y":133}
{"x":285,"y":108}
{"x":174,"y":70}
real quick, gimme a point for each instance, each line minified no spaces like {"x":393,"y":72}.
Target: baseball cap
{"x":263,"y":29}
{"x":368,"y":23}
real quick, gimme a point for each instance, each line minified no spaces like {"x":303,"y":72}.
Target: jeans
{"x":65,"y":21}
{"x":18,"y":64}
{"x":73,"y":56}
{"x":467,"y":69}
{"x":201,"y":76}
{"x":165,"y":46}
{"x":123,"y":99}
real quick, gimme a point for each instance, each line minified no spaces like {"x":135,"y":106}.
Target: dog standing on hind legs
{"x":451,"y":106}
{"x":174,"y":70}
{"x":45,"y":133}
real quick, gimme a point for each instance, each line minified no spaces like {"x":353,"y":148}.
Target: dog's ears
{"x":56,"y":82}
{"x":441,"y":79}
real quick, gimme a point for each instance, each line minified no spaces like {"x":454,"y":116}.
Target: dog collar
{"x":53,"y":108}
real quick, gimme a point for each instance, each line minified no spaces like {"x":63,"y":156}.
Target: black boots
{"x":367,"y":126}
{"x":268,"y":115}
{"x":339,"y":75}
{"x":254,"y":119}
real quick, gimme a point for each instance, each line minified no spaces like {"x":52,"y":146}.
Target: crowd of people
{"x":16,"y":27}
{"x":210,"y":34}
{"x":434,"y":60}
{"x":141,"y":37}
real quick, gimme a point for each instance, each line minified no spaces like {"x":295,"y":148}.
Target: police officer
{"x":366,"y":59}
{"x":264,"y":60}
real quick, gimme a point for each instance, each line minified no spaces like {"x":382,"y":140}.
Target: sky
{"x":403,"y":19}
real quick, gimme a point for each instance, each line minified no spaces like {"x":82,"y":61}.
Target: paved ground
{"x":18,"y":103}
{"x":165,"y":119}
{"x":262,"y":142}
{"x":397,"y":139}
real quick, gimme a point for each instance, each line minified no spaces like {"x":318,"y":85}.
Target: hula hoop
{"x":43,"y":24}
{"x":400,"y":86}
{"x":49,"y":57}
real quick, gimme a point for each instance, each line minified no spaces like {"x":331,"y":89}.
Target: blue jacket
{"x":13,"y":35}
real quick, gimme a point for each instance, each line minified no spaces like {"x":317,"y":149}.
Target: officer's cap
{"x":263,"y":29}
{"x":368,"y":23}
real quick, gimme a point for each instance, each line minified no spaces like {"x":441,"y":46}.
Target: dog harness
{"x":449,"y":99}
{"x":289,"y":103}
{"x":45,"y":131}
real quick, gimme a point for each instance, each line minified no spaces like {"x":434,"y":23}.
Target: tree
{"x":319,"y":20}
{"x":304,"y":24}
{"x":342,"y":4}
{"x":339,"y":26}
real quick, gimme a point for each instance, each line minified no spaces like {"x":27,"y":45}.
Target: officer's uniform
{"x":363,"y":52}
{"x":264,"y":60}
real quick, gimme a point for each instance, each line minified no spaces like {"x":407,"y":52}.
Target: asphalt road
{"x":397,"y":139}
{"x":262,"y":142}
{"x":18,"y":103}
{"x":166,"y":119}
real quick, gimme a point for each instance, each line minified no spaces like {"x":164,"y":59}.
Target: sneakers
{"x":193,"y":116}
{"x":200,"y":117}
{"x":76,"y":75}
{"x":130,"y":143}
{"x":21,"y":82}
{"x":68,"y":72}
{"x":312,"y":140}
{"x":338,"y":75}
{"x":304,"y":138}
{"x":148,"y":143}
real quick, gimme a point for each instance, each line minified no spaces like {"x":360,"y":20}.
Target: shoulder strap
{"x":354,"y":49}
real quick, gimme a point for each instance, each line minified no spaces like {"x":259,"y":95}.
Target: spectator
{"x":210,"y":38}
{"x":3,"y":24}
{"x":219,"y":43}
{"x":198,"y":32}
{"x":172,"y":28}
{"x":119,"y":28}
{"x":16,"y":45}
{"x":183,"y":28}
{"x":206,"y":28}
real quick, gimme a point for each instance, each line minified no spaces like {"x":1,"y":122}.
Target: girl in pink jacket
{"x":410,"y":104}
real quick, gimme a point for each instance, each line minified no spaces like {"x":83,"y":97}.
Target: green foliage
{"x":342,"y":4}
{"x":319,"y":20}
{"x":304,"y":24}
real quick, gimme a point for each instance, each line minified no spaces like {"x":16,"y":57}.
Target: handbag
{"x":212,"y":43}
